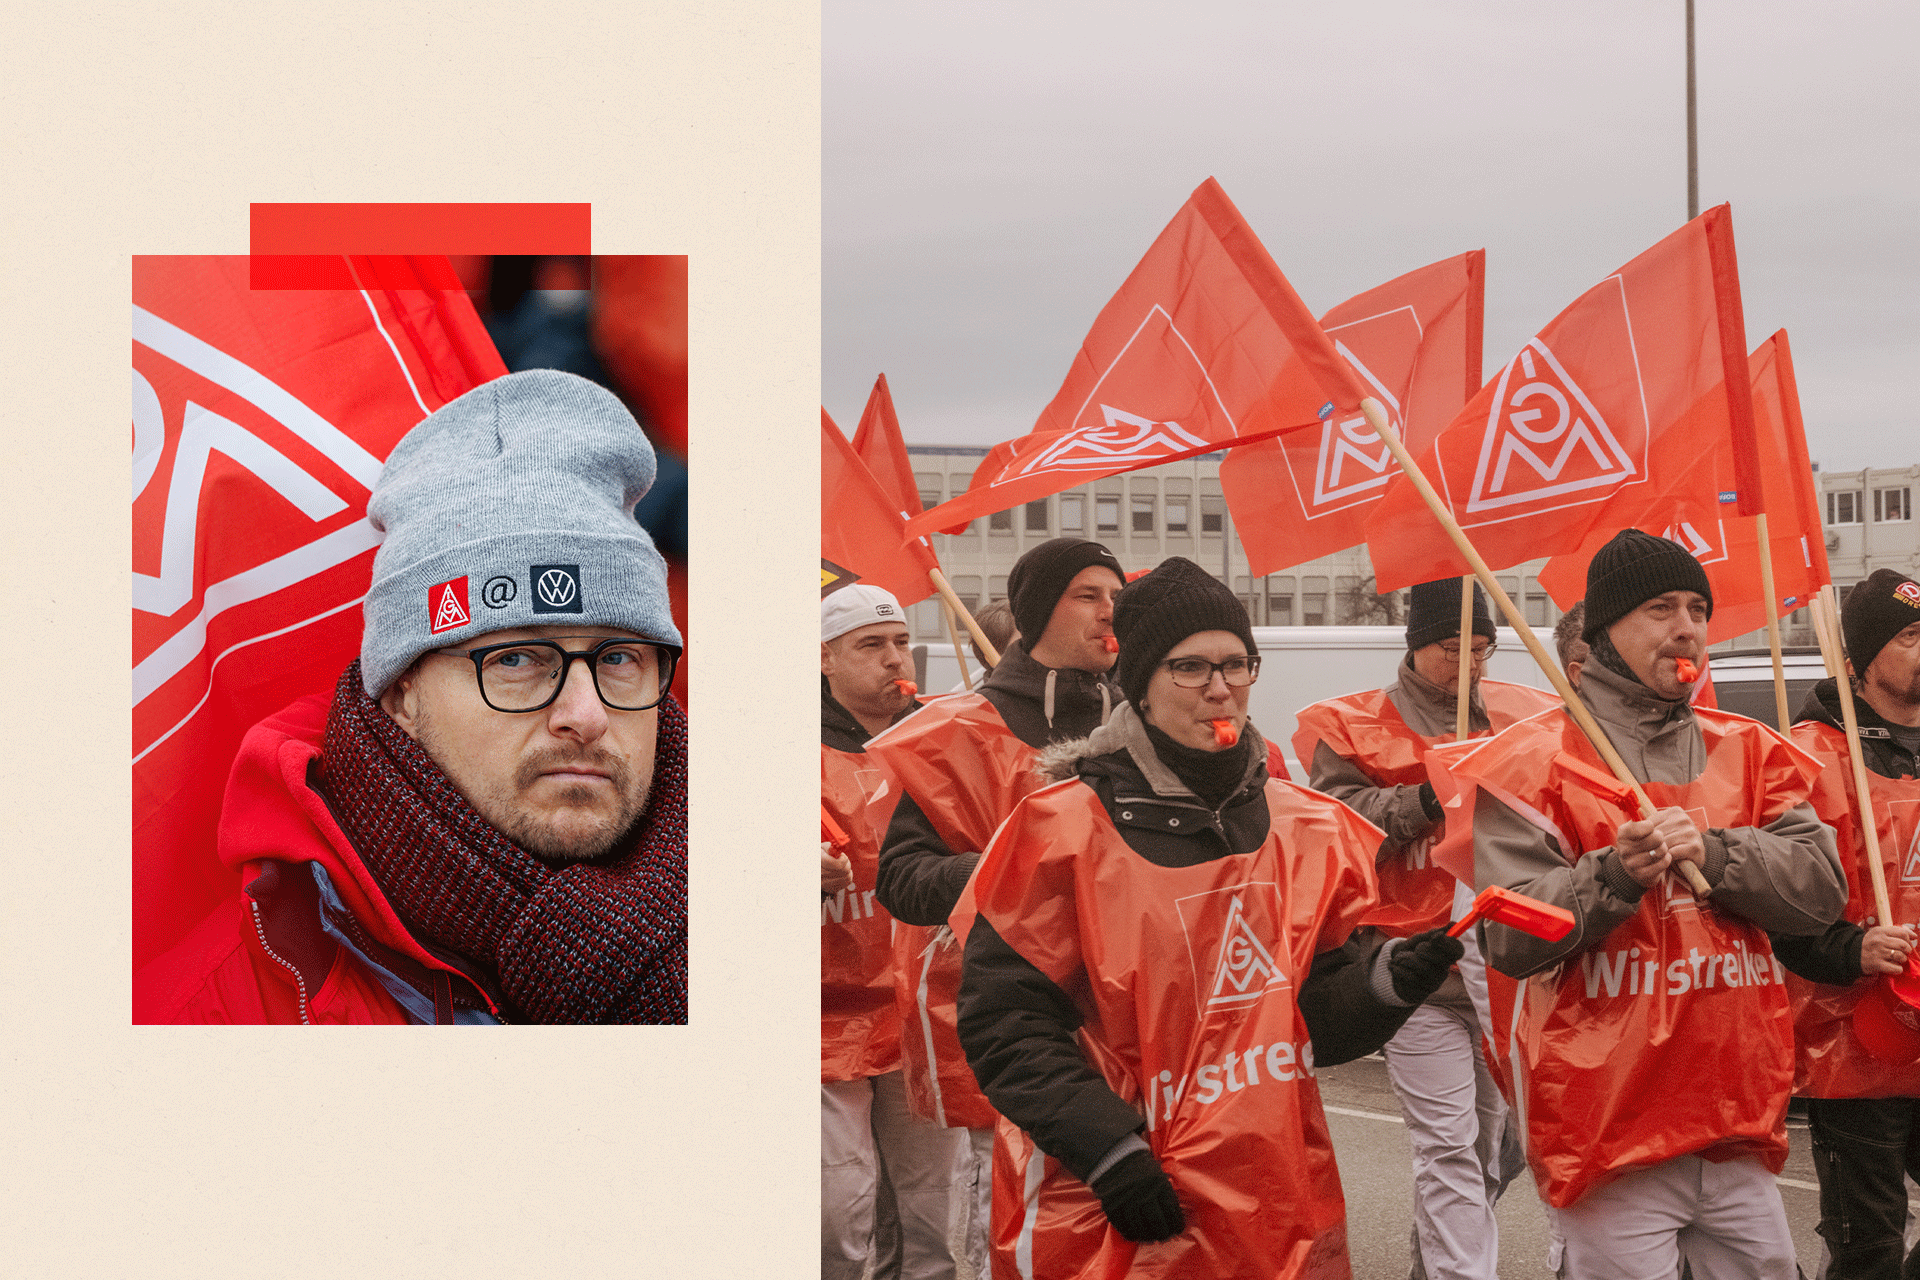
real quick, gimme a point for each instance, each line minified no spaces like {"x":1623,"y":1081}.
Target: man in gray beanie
{"x":1632,"y":998}
{"x":471,"y":831}
{"x":1369,"y":750}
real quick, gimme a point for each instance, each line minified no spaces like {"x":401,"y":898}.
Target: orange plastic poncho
{"x":1186,"y":979}
{"x":966,"y":770}
{"x":1829,"y":1061}
{"x":1671,"y":1035}
{"x":859,"y":1020}
{"x":1368,"y":730}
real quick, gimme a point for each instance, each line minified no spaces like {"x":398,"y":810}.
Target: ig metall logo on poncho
{"x":1232,"y":934}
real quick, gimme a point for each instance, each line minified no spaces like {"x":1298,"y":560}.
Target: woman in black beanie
{"x":1161,"y":955}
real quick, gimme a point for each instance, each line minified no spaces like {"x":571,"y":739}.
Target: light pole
{"x":1693,"y":139}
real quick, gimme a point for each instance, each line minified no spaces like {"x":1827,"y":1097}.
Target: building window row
{"x":1845,"y":506}
{"x":1144,"y":515}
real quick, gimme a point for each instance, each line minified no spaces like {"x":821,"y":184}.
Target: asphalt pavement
{"x":1376,"y":1172}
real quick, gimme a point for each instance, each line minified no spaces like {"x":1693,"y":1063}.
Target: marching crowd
{"x":1084,"y":945}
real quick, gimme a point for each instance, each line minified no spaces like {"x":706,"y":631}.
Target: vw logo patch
{"x":499,"y":592}
{"x":556,"y":588}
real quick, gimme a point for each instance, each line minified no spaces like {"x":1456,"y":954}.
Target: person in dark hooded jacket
{"x":1161,"y":957}
{"x":1863,"y":1112}
{"x":1049,"y":685}
{"x":962,"y":764}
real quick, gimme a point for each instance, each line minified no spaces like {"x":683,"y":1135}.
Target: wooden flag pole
{"x":1377,"y":418}
{"x":1465,"y":678}
{"x":959,"y":652}
{"x":1826,"y":629}
{"x":1773,"y":625}
{"x":939,"y":581}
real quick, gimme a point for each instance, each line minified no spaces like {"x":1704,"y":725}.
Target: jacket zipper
{"x":299,"y":983}
{"x":1213,"y":815}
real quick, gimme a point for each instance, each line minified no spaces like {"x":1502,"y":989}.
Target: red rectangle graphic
{"x":305,"y":229}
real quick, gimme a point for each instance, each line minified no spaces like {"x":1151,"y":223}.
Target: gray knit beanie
{"x":512,"y":506}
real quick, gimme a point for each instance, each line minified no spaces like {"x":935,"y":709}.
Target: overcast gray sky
{"x":993,"y":171}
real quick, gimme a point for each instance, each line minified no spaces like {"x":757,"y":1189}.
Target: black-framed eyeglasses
{"x":1452,"y":652}
{"x":1238,"y":671}
{"x":528,"y":675}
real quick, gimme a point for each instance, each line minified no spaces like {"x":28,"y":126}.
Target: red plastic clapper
{"x":831,"y":832}
{"x":1529,"y":915}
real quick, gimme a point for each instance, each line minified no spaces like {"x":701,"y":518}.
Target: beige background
{"x":278,"y":1152}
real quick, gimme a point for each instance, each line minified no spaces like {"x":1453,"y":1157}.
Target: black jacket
{"x":839,"y":729}
{"x":1833,"y":957}
{"x":1017,"y":1026}
{"x":920,"y":877}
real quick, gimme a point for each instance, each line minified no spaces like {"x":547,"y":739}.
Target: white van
{"x":1304,"y":665}
{"x":1299,"y":666}
{"x":1743,"y":681}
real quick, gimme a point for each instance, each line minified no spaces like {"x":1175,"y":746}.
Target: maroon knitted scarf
{"x":600,"y":941}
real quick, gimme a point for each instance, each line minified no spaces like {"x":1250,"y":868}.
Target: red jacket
{"x":266,"y":955}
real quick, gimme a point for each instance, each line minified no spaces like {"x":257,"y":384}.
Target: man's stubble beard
{"x":503,"y":809}
{"x":1904,"y":695}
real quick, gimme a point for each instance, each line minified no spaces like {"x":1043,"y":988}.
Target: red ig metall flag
{"x":878,"y":443}
{"x":862,"y":531}
{"x":261,"y":420}
{"x":1178,"y":363}
{"x":1587,"y":425}
{"x":1727,"y":544}
{"x":1414,"y":344}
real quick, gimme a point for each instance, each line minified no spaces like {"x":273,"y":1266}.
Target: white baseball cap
{"x":859,"y":605}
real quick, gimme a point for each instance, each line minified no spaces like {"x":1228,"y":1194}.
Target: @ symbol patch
{"x":499,"y":592}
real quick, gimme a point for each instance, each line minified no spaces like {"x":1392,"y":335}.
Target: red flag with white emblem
{"x":878,"y":443}
{"x":1414,"y":343}
{"x":1592,"y":422}
{"x":260,"y":422}
{"x":1178,"y":363}
{"x":861,"y":531}
{"x":1728,"y":544}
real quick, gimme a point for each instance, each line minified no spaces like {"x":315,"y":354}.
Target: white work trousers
{"x":1455,"y":1118}
{"x":862,"y":1124}
{"x":1725,"y":1220}
{"x":977,"y":1233}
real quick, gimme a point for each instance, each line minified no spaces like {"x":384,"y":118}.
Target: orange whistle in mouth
{"x":1110,"y":643}
{"x":1685,"y":671}
{"x":907,"y":687}
{"x":1224,"y":733}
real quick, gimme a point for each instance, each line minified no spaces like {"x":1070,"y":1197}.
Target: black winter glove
{"x":1430,"y":803}
{"x":1419,"y":964}
{"x":1138,"y":1199}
